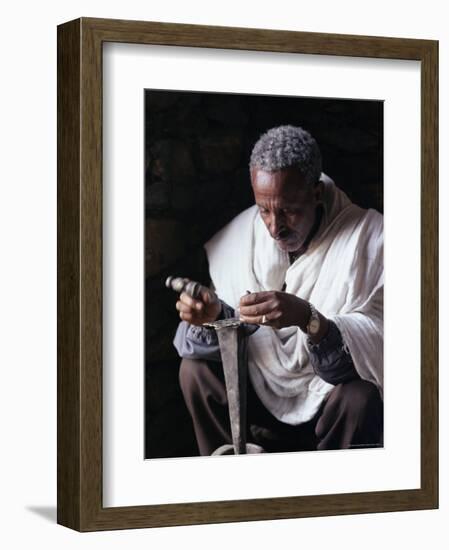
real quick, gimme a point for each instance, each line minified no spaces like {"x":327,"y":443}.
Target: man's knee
{"x":202,"y":378}
{"x":189,"y":375}
{"x":357,"y":397}
{"x":356,"y":401}
{"x":352,"y":415}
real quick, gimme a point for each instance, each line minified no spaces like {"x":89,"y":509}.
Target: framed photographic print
{"x":236,"y":198}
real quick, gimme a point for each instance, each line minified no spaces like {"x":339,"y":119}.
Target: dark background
{"x":197,"y":149}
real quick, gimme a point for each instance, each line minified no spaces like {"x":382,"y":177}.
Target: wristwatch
{"x":313,"y":326}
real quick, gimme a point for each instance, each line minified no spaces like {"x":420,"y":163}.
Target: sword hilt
{"x":182,"y":284}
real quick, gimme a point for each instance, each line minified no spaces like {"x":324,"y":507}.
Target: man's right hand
{"x":205,"y":309}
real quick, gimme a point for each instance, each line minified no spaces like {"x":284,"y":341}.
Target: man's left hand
{"x":274,"y":308}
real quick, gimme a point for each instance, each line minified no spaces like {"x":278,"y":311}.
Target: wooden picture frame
{"x":80,"y":351}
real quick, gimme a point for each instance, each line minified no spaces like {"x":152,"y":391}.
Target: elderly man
{"x":312,"y":262}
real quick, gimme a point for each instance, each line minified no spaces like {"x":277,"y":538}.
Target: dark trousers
{"x":350,"y":416}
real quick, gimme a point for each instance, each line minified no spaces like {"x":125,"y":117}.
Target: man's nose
{"x":276,"y":224}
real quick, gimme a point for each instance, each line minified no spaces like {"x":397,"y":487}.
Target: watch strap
{"x":313,"y":321}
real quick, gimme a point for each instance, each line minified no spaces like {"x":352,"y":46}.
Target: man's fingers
{"x":186,"y":317}
{"x":257,"y":310}
{"x":261,"y":312}
{"x":189,"y":301}
{"x":255,"y":298}
{"x":270,"y":318}
{"x":184,"y":308}
{"x":206,"y":295}
{"x":255,"y":319}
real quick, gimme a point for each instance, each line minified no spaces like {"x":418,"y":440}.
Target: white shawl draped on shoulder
{"x":341,"y":273}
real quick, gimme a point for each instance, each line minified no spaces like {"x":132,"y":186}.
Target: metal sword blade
{"x":233,"y":350}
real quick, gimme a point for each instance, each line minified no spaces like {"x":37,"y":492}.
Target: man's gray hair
{"x":287,"y":146}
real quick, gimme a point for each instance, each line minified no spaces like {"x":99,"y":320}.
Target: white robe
{"x":341,"y":274}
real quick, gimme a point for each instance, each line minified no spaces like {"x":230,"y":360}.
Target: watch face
{"x":314,"y":326}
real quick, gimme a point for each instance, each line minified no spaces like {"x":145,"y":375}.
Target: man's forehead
{"x":288,"y":182}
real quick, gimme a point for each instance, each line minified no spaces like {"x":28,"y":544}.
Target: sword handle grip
{"x":182,"y":284}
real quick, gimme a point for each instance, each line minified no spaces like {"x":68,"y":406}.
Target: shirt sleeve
{"x":197,"y":342}
{"x":331,"y":359}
